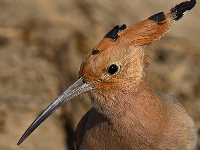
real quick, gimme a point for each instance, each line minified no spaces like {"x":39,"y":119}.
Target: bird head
{"x":117,"y":62}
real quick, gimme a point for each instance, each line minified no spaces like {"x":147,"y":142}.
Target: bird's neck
{"x":125,"y":103}
{"x":134,"y":113}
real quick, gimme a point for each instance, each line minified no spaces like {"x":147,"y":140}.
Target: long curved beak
{"x":77,"y":88}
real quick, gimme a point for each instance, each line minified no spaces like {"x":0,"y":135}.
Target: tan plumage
{"x":127,"y":113}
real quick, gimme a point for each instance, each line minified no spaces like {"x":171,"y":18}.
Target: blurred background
{"x":42,"y":44}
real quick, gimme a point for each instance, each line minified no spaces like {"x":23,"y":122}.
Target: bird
{"x":127,"y":114}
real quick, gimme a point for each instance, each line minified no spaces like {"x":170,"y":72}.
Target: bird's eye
{"x":112,"y":69}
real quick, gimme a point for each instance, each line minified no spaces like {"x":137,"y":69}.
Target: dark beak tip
{"x":19,"y":142}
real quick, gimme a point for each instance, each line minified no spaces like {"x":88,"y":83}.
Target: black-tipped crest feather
{"x":159,"y":17}
{"x":182,"y":8}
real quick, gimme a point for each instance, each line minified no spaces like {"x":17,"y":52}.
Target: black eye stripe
{"x":112,"y":69}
